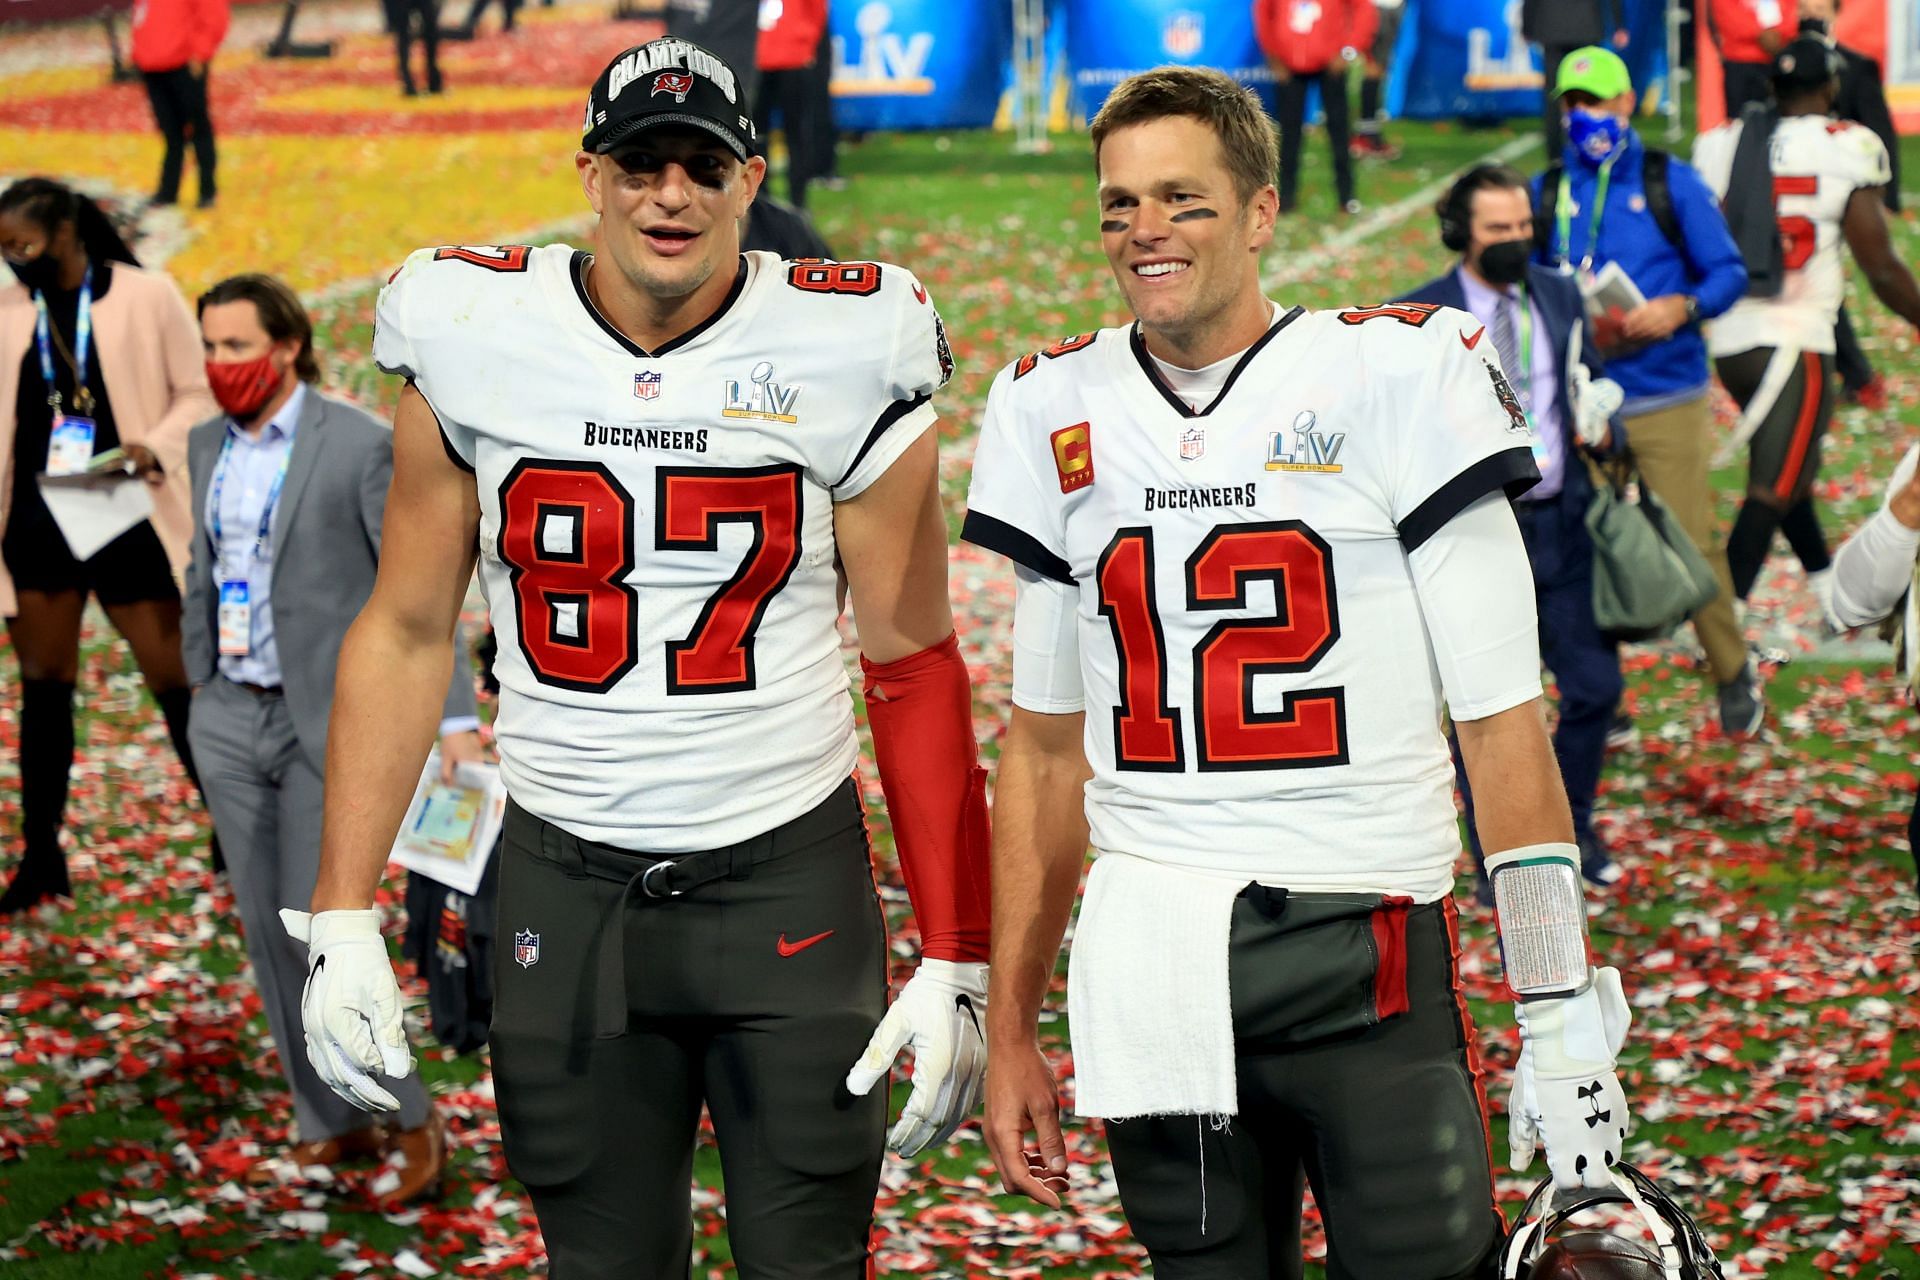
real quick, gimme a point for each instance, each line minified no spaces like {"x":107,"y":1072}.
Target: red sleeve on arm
{"x":1734,"y":23}
{"x":1363,"y":23}
{"x":211,"y":20}
{"x":921,"y":712}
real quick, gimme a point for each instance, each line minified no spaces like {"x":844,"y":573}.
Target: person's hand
{"x":457,"y":749}
{"x":1022,"y":1099}
{"x":1620,"y":38}
{"x":199,"y":70}
{"x":1905,"y":503}
{"x":937,"y":1014}
{"x":1656,"y":319}
{"x":1566,"y":1095}
{"x":145,"y":464}
{"x":350,"y":1008}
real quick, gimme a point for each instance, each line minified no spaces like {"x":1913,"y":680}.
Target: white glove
{"x":350,"y":1008}
{"x":938,"y":1014}
{"x":1595,"y":401}
{"x":1566,"y":1096}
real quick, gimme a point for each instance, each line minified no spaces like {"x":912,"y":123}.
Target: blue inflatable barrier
{"x":919,"y":64}
{"x":1466,"y":59}
{"x":1109,"y":40}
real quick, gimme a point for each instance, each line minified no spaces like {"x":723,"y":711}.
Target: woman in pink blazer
{"x":131,"y":376}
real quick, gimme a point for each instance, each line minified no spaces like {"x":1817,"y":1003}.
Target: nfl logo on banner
{"x":1183,"y":34}
{"x":646,"y":386}
{"x":526,"y":948}
{"x":1193,"y":443}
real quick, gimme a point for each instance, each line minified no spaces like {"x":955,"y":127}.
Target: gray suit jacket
{"x":326,"y":548}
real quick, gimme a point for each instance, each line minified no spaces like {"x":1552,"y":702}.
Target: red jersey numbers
{"x":1799,"y":237}
{"x":1310,"y":728}
{"x":567,"y":538}
{"x":1409,"y":313}
{"x":508,"y":257}
{"x":566,"y":534}
{"x":717,"y":657}
{"x":1064,"y":347}
{"x":818,"y":275}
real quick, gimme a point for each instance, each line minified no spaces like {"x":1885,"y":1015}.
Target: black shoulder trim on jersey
{"x":894,"y":412}
{"x":453,"y":455}
{"x":1139,"y":346}
{"x":577,"y":270}
{"x":1511,"y":469}
{"x":1016,"y":545}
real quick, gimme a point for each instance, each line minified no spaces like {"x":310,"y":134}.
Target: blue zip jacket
{"x":1710,"y":268}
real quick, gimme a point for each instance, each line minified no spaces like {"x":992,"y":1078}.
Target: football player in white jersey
{"x":1258,"y":551}
{"x":662,"y":454}
{"x":1775,"y":353}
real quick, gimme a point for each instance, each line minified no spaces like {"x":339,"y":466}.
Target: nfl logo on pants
{"x":526,"y":948}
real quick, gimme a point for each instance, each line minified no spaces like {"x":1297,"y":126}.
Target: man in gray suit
{"x":1559,"y":27}
{"x":289,"y":487}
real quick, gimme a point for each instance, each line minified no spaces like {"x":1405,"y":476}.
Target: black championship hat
{"x":668,"y":81}
{"x":1808,"y":62}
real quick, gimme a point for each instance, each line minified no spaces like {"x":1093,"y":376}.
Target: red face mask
{"x":243,"y":386}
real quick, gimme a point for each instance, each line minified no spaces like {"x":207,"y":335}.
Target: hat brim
{"x":628,"y":129}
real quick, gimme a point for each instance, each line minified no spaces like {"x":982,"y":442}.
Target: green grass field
{"x":1768,"y":935}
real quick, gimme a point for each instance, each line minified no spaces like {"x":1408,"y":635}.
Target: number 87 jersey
{"x":1261,"y":695}
{"x":656,"y":527}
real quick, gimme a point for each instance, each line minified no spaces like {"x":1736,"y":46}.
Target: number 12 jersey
{"x":656,"y":527}
{"x":1261,"y":695}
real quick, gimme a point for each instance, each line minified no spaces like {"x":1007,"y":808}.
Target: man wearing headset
{"x":1534,"y":320}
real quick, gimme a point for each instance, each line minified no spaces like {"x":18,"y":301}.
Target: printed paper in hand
{"x":449,"y":832}
{"x":93,"y":508}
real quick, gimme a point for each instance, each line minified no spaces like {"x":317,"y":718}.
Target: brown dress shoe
{"x":418,"y":1157}
{"x":359,"y":1144}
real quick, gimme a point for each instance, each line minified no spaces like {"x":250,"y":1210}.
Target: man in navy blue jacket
{"x":1615,"y":202}
{"x":1534,"y":320}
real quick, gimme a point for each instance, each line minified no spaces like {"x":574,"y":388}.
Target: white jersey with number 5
{"x":1818,"y":163}
{"x":1261,"y":695}
{"x":656,"y":528}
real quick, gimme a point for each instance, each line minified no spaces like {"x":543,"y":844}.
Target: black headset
{"x":1456,"y":207}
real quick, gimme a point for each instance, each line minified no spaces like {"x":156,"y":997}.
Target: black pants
{"x":1783,"y":456}
{"x":1552,"y":124}
{"x":1746,"y":82}
{"x":179,"y":101}
{"x":1293,"y":112}
{"x":809,"y":137}
{"x":1380,"y":1110}
{"x":752,"y":994}
{"x":402,"y":17}
{"x":1849,"y":358}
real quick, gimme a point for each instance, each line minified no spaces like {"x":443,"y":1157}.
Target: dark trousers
{"x":1293,"y":114}
{"x":1783,"y":456}
{"x":1746,"y":82}
{"x":179,"y":101}
{"x":1355,"y":1073}
{"x":1585,"y":664}
{"x":1849,"y":358}
{"x":402,"y":17}
{"x":617,"y":1015}
{"x":809,"y":138}
{"x":507,"y":8}
{"x":1553,"y":126}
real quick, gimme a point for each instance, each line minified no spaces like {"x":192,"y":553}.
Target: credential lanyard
{"x":1563,"y":211}
{"x":82,"y":345}
{"x":266,"y":515}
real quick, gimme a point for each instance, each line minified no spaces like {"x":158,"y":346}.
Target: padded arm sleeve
{"x":1475,"y":587}
{"x":1046,"y":646}
{"x":921,"y":711}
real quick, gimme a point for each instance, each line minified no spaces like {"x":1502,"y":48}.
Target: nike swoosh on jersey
{"x":919,"y":292}
{"x":786,"y":948}
{"x":1474,"y":341}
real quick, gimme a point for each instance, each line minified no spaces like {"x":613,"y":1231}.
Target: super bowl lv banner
{"x":1109,"y":40}
{"x":919,"y":64}
{"x":1467,"y":59}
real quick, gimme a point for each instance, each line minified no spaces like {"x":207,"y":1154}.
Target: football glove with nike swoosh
{"x":1566,"y":1096}
{"x":938,"y":1014}
{"x":350,"y":1009}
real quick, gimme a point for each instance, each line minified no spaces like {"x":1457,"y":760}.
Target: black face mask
{"x":42,"y":275}
{"x":1505,"y":261}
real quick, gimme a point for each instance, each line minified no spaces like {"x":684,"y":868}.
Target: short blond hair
{"x":1231,"y":110}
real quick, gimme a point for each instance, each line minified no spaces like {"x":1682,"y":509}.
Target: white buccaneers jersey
{"x":1818,"y":163}
{"x":656,"y":528}
{"x":1261,"y":695}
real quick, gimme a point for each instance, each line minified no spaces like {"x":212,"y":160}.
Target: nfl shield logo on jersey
{"x":1183,"y":34}
{"x":1193,"y":443}
{"x":526,"y":948}
{"x":647,"y":385}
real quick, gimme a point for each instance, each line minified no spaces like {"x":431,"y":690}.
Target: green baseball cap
{"x":1593,"y":70}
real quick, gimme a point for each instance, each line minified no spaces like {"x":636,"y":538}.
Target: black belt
{"x":649,"y":878}
{"x":257,"y":690}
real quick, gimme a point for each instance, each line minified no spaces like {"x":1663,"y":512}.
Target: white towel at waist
{"x":1147,"y":992}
